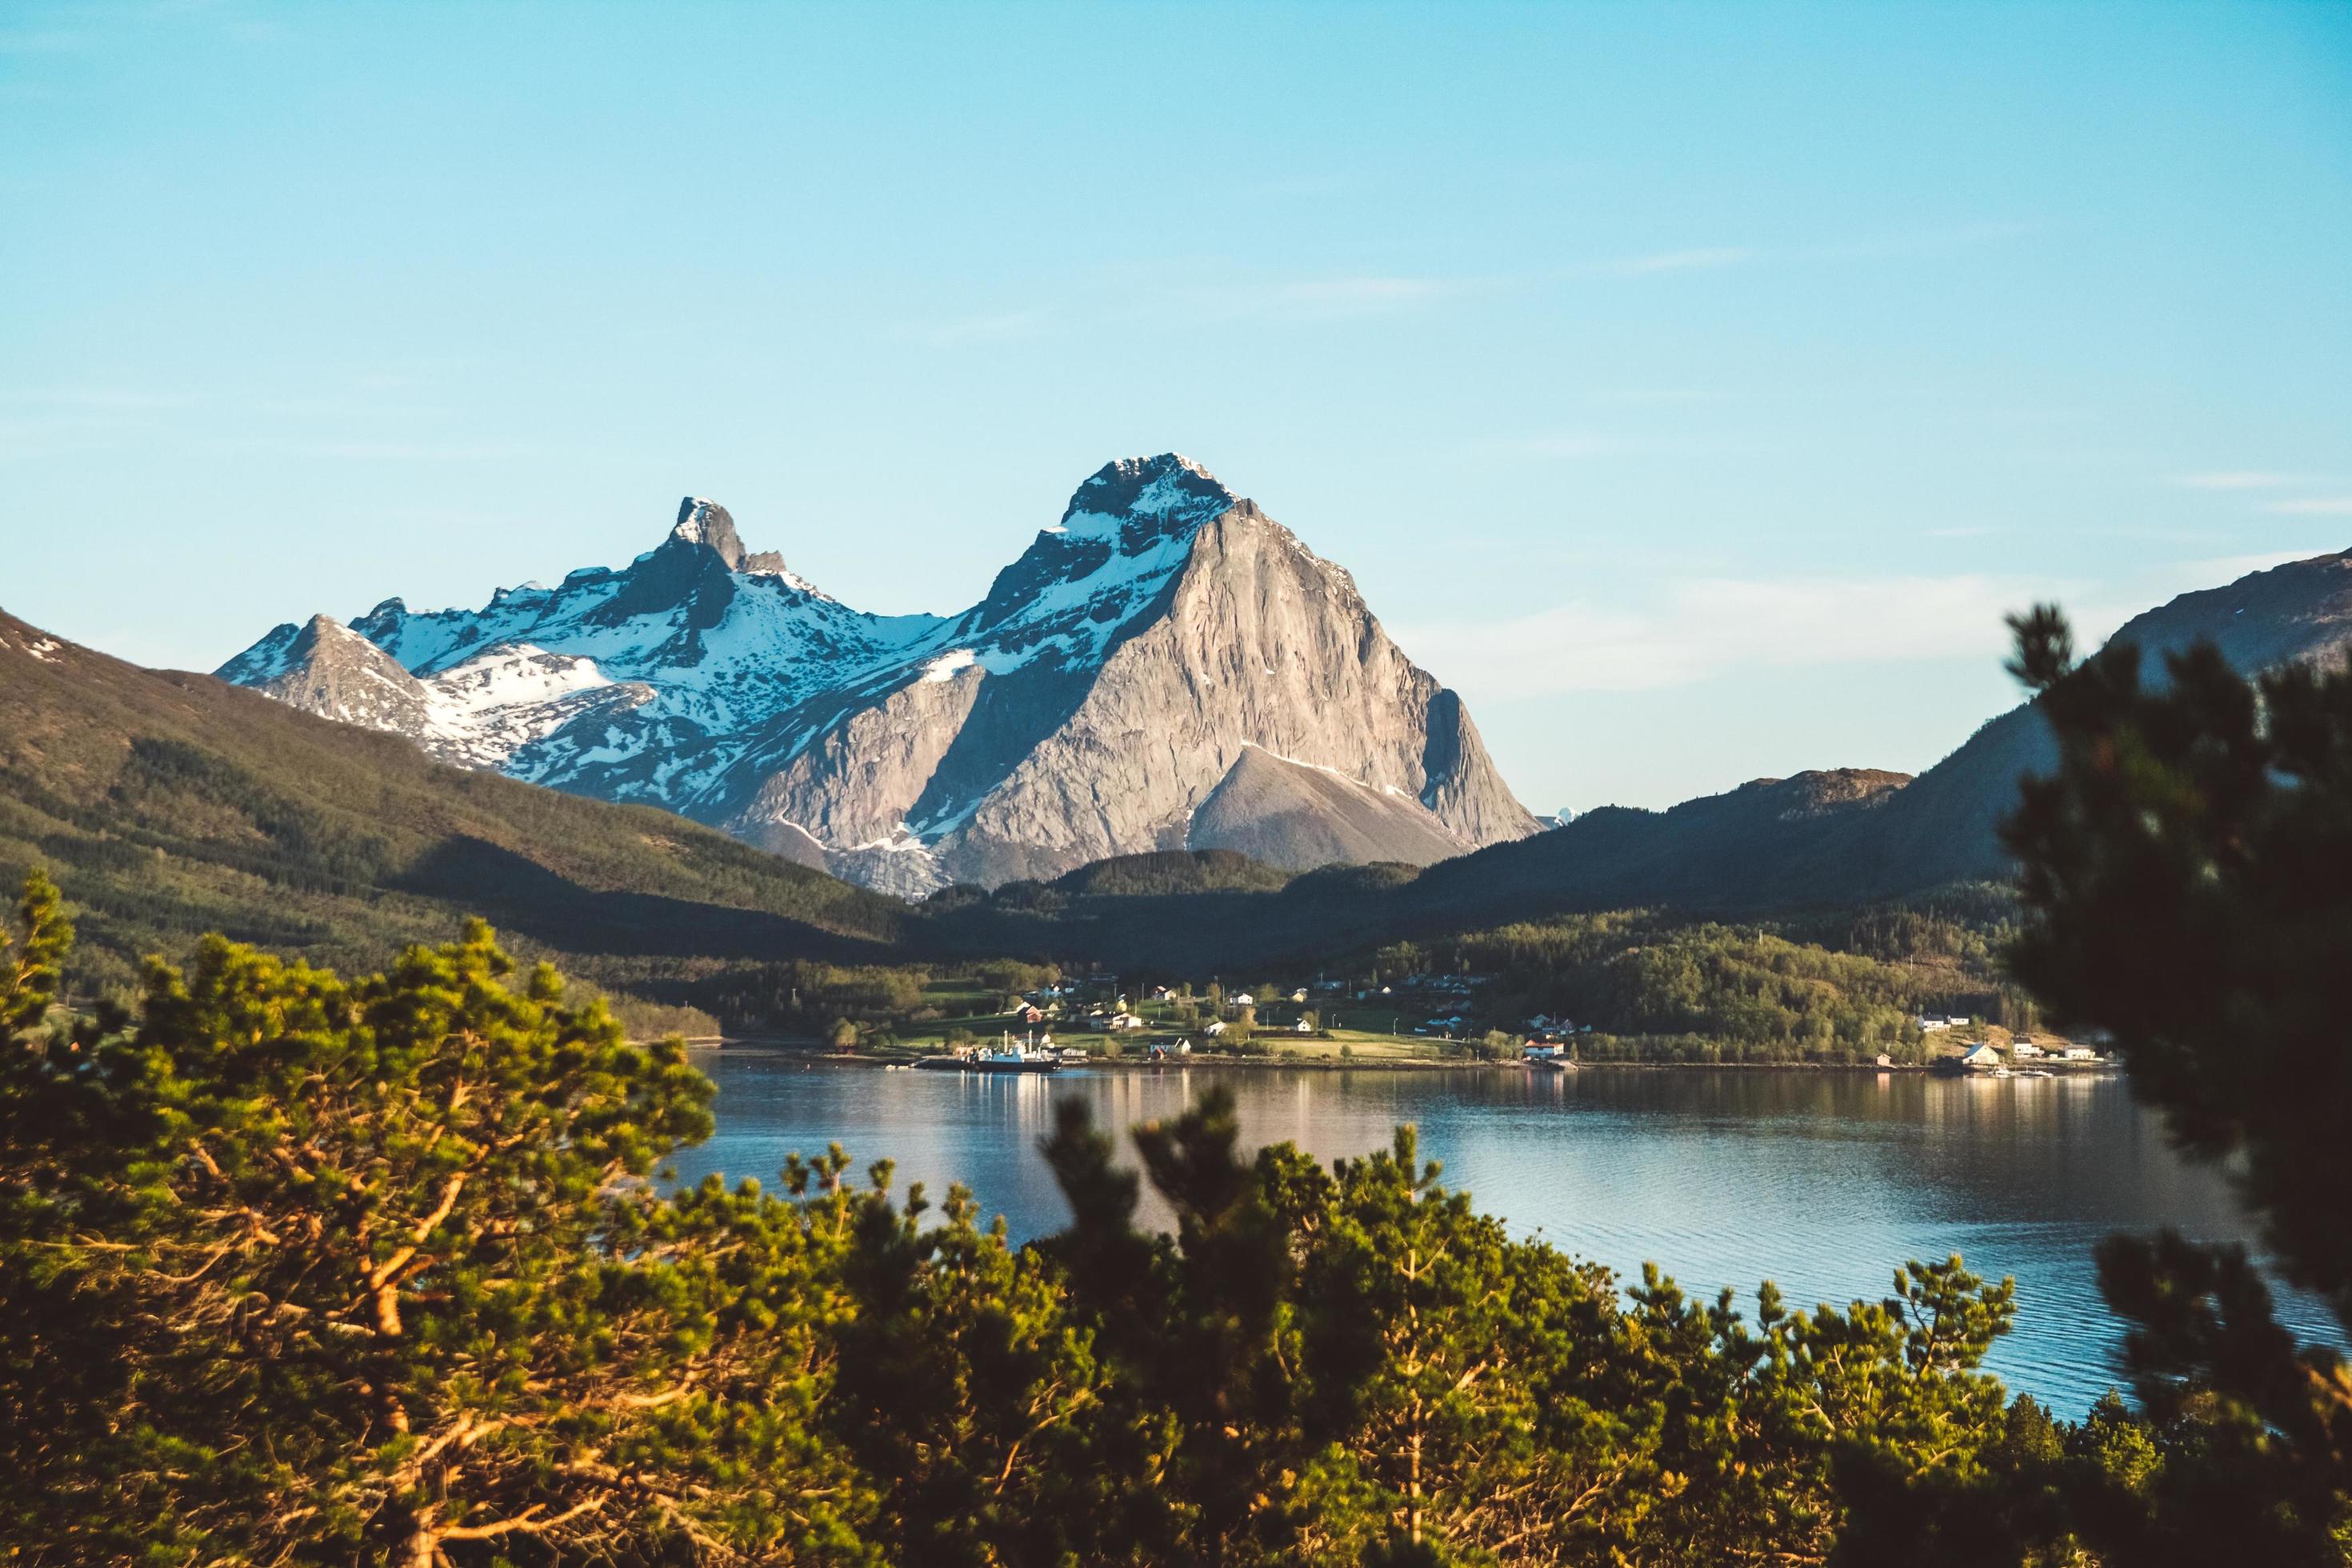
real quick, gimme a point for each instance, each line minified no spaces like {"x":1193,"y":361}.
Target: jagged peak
{"x":705,"y":522}
{"x":1162,"y":493}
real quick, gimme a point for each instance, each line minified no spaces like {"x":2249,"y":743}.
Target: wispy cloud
{"x":1654,"y":396}
{"x":1584,"y":445}
{"x":1163,"y":295}
{"x":106,"y":398}
{"x":2230,"y":479}
{"x":1698,"y":259}
{"x":1918,"y":242}
{"x":1320,"y":298}
{"x":1707,"y":626}
{"x":2216,"y":569}
{"x":2313,"y":506}
{"x":1288,"y":187}
{"x":369,"y":450}
{"x":1221,"y":291}
{"x":1576,"y":444}
{"x":998,"y":326}
{"x":1701,"y":627}
{"x":1894,"y":246}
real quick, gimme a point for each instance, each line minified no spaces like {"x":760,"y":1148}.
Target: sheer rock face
{"x":1114,"y":678}
{"x":1259,"y":644}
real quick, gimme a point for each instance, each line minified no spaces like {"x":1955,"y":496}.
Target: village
{"x":1426,"y":1021}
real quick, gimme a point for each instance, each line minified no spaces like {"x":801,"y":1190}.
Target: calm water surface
{"x":1822,"y":1181}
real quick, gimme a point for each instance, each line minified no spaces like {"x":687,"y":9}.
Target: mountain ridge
{"x":170,"y":803}
{"x":1103,"y":688}
{"x":1761,"y":846}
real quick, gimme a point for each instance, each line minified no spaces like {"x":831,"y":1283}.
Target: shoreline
{"x":809,"y":1055}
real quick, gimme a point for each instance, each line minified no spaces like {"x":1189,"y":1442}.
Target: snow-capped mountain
{"x":1111,"y":683}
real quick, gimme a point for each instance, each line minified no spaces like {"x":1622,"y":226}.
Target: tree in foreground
{"x":300,"y":1270}
{"x":2187,"y":879}
{"x":303,"y":1270}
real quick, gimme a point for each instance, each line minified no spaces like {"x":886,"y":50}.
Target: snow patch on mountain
{"x":709,"y":680}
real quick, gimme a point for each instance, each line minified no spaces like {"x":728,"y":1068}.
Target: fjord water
{"x":1823,"y":1182}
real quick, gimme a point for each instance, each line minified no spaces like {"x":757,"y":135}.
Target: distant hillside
{"x":1176,"y":913}
{"x":167,"y":805}
{"x":1173,"y":871}
{"x":1771,"y":841}
{"x":1848,"y":835}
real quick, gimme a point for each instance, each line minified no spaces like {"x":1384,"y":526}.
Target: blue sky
{"x":1692,"y":388}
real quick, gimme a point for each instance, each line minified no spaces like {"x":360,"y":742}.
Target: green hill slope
{"x":167,"y":805}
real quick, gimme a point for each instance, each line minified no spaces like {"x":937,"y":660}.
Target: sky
{"x":1692,"y":387}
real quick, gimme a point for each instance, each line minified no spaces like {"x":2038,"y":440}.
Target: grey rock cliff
{"x":1114,"y":678}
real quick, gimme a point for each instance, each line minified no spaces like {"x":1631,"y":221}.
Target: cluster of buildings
{"x":1985,"y":1056}
{"x":1434,"y":1005}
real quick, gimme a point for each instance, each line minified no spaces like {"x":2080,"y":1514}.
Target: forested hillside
{"x":169,"y":805}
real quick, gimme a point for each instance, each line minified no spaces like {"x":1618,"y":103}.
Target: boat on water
{"x":1008,"y":1055}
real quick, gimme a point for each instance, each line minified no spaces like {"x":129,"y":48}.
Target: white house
{"x":1242,"y":999}
{"x":1216,"y":1026}
{"x":1299,"y":995}
{"x":1981,"y":1055}
{"x":2081,"y":1054}
{"x":2024,"y":1050}
{"x":1535,"y":1053}
{"x":1303,"y":1027}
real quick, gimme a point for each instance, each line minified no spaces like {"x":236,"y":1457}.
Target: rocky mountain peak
{"x":705,"y":522}
{"x":1133,"y":661}
{"x":1128,"y":529}
{"x":1137,"y":498}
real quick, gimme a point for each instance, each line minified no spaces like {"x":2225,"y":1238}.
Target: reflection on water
{"x":1822,"y":1181}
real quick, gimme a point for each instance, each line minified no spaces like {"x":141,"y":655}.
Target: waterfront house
{"x":2024,"y":1050}
{"x":1981,"y":1055}
{"x":2081,"y":1054}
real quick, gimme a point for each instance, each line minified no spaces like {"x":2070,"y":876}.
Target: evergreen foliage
{"x":301,"y":1269}
{"x":2185,"y":877}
